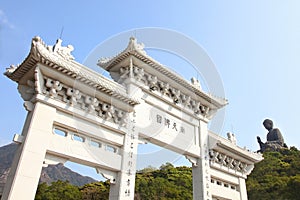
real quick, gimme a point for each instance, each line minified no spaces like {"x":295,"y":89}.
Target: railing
{"x":79,"y":137}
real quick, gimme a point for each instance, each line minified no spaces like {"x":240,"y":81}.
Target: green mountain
{"x":167,"y":182}
{"x":277,"y":177}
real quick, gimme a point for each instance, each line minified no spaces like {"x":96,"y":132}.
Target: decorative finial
{"x":196,"y":83}
{"x":231,"y":137}
{"x":133,"y":45}
{"x":65,"y":52}
{"x":10,"y":69}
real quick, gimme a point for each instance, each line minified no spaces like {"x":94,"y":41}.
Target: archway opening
{"x":155,"y":156}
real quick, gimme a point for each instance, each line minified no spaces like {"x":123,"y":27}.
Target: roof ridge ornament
{"x":137,"y":50}
{"x":133,"y":45}
{"x":10,"y":69}
{"x":196,"y":83}
{"x":57,"y":48}
{"x":64,"y":52}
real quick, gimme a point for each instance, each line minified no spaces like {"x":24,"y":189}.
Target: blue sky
{"x":253,"y":44}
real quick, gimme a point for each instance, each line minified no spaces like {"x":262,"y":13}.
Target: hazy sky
{"x":253,"y":44}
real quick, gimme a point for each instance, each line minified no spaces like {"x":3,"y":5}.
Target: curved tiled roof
{"x":60,"y":59}
{"x":136,"y":50}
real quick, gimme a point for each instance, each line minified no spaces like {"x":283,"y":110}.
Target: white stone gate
{"x":76,"y":114}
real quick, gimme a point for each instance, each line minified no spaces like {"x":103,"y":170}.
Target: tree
{"x":95,"y":191}
{"x":276,"y":177}
{"x":58,"y":190}
{"x":168,"y":182}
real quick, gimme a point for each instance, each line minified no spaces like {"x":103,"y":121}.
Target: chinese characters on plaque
{"x":176,"y":127}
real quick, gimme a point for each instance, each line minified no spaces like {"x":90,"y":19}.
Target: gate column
{"x":124,"y":187}
{"x":242,"y":188}
{"x":201,"y":168}
{"x":25,"y":172}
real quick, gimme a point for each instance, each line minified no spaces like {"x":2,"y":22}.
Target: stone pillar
{"x":200,"y":170}
{"x":123,"y":188}
{"x":243,"y":190}
{"x":26,"y":168}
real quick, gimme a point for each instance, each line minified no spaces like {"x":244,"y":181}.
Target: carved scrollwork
{"x":124,"y":73}
{"x":186,"y":100}
{"x":152,"y":82}
{"x":138,"y":73}
{"x":120,"y":117}
{"x":107,"y":111}
{"x":227,"y":161}
{"x":195,"y":106}
{"x":175,"y":94}
{"x":164,"y":88}
{"x":73,"y":97}
{"x":91,"y":103}
{"x":204,"y":109}
{"x":52,"y":87}
{"x":27,"y":92}
{"x":132,"y":72}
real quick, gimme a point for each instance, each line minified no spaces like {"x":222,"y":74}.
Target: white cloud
{"x":4,"y":21}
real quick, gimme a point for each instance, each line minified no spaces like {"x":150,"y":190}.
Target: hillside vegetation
{"x":277,"y":177}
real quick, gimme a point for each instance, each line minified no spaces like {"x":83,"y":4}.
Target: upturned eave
{"x":65,"y":63}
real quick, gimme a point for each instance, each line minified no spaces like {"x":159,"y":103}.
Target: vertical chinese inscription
{"x":130,"y":164}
